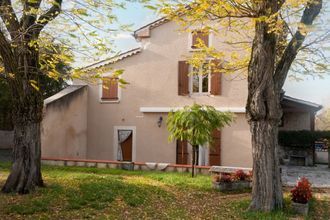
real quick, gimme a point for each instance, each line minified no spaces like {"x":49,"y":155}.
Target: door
{"x":181,"y":152}
{"x":126,"y":148}
{"x":215,"y":149}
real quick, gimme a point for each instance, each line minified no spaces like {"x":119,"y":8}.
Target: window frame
{"x":200,"y":82}
{"x":108,"y":101}
{"x":190,"y":39}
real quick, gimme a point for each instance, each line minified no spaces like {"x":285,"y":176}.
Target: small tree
{"x":195,"y":124}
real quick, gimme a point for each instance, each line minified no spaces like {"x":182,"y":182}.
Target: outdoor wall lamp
{"x":159,"y":122}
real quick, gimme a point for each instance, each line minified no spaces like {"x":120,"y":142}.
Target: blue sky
{"x":311,"y":89}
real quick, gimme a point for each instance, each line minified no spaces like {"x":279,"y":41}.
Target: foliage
{"x":196,"y":123}
{"x":301,"y":138}
{"x":238,"y":18}
{"x":241,"y":175}
{"x":322,"y":120}
{"x":302,"y":192}
{"x":238,"y":175}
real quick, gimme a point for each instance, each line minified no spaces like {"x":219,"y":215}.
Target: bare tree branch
{"x":50,"y":15}
{"x":312,"y":9}
{"x":8,"y":17}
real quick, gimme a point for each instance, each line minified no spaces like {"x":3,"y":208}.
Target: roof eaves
{"x":303,"y":102}
{"x":113,"y":59}
{"x":152,"y":25}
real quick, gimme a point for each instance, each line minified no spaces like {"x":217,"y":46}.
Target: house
{"x":106,"y":122}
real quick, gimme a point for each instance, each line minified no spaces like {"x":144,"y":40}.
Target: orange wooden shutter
{"x":109,"y":88}
{"x":183,"y":78}
{"x":215,"y":78}
{"x":215,"y":149}
{"x":181,"y":152}
{"x":199,"y":35}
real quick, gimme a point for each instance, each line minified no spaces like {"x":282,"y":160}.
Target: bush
{"x":302,"y":192}
{"x":226,"y":178}
{"x":240,"y":175}
{"x":302,"y":138}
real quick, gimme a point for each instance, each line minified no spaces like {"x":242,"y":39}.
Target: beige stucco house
{"x":105,"y":122}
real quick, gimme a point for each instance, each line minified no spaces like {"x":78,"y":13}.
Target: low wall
{"x":321,"y":157}
{"x":6,"y":139}
{"x":124,"y":165}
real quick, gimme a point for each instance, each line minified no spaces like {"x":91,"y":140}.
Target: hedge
{"x":302,"y":138}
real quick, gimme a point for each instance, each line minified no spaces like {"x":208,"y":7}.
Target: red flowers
{"x":239,"y":175}
{"x":302,"y":192}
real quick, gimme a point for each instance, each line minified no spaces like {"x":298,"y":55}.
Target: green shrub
{"x":301,"y":138}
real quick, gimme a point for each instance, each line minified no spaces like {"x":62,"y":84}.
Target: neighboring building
{"x":107,"y":122}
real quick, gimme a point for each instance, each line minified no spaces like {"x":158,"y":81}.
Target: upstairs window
{"x":206,"y":80}
{"x":197,"y":36}
{"x":109,"y":89}
{"x":200,"y":80}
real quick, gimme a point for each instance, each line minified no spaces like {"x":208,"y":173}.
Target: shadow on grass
{"x":95,"y":193}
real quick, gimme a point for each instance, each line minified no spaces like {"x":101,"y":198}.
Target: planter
{"x":232,"y":185}
{"x":300,"y":208}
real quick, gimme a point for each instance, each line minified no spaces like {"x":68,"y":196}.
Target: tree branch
{"x":6,"y":54}
{"x":312,"y":10}
{"x":9,"y":18}
{"x":29,"y":15}
{"x":50,"y":15}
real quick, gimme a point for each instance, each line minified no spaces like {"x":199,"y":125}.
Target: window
{"x":196,"y":37}
{"x":109,"y":89}
{"x":200,"y":80}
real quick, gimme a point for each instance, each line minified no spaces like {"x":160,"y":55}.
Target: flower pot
{"x":224,"y":186}
{"x":300,"y":208}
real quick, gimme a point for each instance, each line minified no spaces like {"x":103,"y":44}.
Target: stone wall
{"x":296,"y":156}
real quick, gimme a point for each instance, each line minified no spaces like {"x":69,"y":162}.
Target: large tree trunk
{"x":267,"y":186}
{"x":27,"y":115}
{"x":264,"y":114}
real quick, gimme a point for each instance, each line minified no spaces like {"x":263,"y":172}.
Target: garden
{"x":78,"y":193}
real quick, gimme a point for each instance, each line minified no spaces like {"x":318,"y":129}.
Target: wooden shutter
{"x":216,"y":78}
{"x":181,"y":152}
{"x":199,"y":35}
{"x":109,"y":88}
{"x":183,"y":78}
{"x":215,"y":149}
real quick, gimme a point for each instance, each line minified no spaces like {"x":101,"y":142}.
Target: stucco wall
{"x":296,"y":121}
{"x":6,"y":139}
{"x":153,"y":78}
{"x":64,"y":127}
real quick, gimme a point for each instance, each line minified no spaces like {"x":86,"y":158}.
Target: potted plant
{"x":300,"y":196}
{"x":231,"y":181}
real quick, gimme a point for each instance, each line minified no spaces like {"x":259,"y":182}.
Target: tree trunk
{"x":25,"y":173}
{"x":264,"y":114}
{"x":193,"y":161}
{"x":267,"y":185}
{"x":27,"y":115}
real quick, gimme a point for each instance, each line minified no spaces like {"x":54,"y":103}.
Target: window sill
{"x":109,"y":101}
{"x":201,"y":94}
{"x":194,"y":49}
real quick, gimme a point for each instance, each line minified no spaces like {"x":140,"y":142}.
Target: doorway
{"x":124,"y":143}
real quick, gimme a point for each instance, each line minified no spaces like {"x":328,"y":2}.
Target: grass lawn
{"x":78,"y":193}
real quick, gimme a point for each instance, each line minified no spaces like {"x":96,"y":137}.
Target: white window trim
{"x":190,"y":37}
{"x":100,"y":84}
{"x":200,"y":83}
{"x":115,"y":140}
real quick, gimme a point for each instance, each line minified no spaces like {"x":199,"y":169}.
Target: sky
{"x":311,"y":89}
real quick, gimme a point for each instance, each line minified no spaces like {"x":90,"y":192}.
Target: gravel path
{"x":319,"y":175}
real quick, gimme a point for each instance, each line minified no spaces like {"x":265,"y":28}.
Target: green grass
{"x":91,"y":193}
